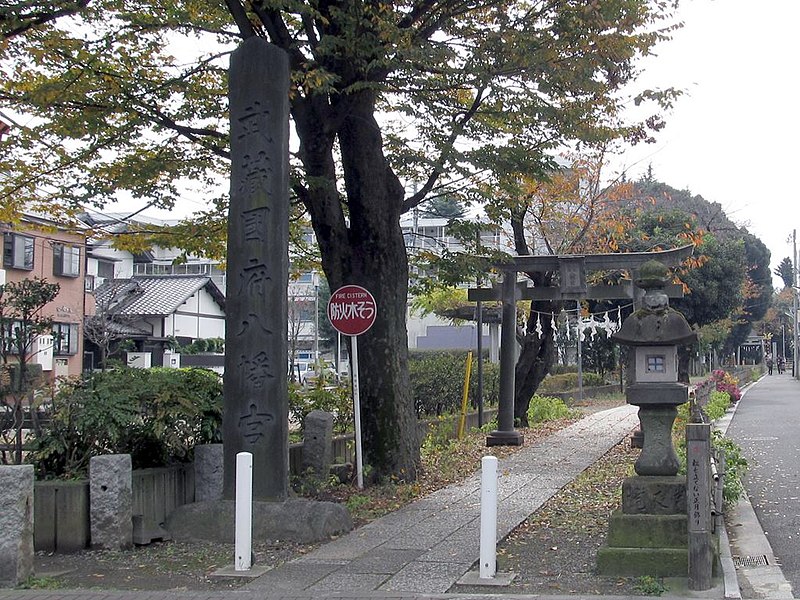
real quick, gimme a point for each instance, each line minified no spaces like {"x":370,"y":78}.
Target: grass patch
{"x":40,"y":583}
{"x":647,"y":585}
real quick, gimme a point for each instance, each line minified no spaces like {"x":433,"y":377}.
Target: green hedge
{"x":437,"y":381}
{"x":565,"y":382}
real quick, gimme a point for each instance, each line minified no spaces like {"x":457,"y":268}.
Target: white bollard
{"x":488,"y":557}
{"x":243,"y":541}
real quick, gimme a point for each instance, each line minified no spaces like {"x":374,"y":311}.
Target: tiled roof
{"x":155,"y":296}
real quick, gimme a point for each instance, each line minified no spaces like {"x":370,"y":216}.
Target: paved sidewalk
{"x":425,"y":547}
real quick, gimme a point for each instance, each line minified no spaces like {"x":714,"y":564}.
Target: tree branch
{"x":239,"y":15}
{"x":447,"y":149}
{"x":20,"y":23}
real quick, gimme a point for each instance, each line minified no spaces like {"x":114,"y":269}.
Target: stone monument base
{"x":297,"y":520}
{"x":648,"y":536}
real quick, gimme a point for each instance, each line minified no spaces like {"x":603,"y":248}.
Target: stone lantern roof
{"x":655,"y":324}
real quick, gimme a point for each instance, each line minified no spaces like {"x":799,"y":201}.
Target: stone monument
{"x":256,"y":408}
{"x":256,"y":394}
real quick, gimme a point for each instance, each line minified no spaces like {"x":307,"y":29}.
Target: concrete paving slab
{"x":345,"y":549}
{"x":499,"y":580}
{"x":456,"y":548}
{"x":509,"y":484}
{"x":348,"y":582}
{"x":293,"y":576}
{"x":382,"y":560}
{"x":426,"y":536}
{"x":426,"y":577}
{"x":230,"y":572}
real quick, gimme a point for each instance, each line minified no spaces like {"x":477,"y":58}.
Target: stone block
{"x":296,"y":520}
{"x":209,"y":464}
{"x":647,"y":531}
{"x":654,"y":495}
{"x":16,"y":524}
{"x":317,"y":442}
{"x":111,"y":501}
{"x":635,"y":562}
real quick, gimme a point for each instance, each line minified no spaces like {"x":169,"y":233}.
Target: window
{"x":65,"y":339}
{"x":105,"y":269}
{"x":307,"y":277}
{"x":10,"y":337}
{"x":18,"y":251}
{"x":66,"y":260}
{"x":656,"y":363}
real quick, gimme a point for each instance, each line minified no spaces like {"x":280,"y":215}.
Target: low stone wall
{"x":62,"y":515}
{"x":16,"y":524}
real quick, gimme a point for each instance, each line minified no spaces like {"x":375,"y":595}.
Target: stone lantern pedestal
{"x":648,"y":535}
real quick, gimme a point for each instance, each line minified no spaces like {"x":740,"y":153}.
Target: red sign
{"x":352,"y":310}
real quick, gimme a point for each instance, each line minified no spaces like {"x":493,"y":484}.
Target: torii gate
{"x":572,"y":271}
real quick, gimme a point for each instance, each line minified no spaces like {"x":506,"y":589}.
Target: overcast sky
{"x":733,"y":137}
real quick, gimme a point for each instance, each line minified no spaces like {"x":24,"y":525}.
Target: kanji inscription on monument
{"x":256,"y":398}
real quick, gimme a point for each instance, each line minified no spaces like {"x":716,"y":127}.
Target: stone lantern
{"x":648,"y":535}
{"x":654,"y":333}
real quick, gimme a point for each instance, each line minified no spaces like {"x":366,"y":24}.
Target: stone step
{"x":647,"y":531}
{"x":634,"y":562}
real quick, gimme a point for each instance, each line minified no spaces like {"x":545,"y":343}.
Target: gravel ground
{"x":553,"y":552}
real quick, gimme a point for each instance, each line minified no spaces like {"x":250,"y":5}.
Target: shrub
{"x":736,"y":465}
{"x":725,"y":382}
{"x":565,"y":382}
{"x":155,"y":415}
{"x":647,"y":585}
{"x":547,"y":408}
{"x":735,"y":468}
{"x":437,"y":382}
{"x":717,"y":405}
{"x":336,"y":400}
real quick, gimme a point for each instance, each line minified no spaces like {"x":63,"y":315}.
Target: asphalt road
{"x":767,"y":427}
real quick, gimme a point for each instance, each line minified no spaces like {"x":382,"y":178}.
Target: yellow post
{"x":463,"y":422}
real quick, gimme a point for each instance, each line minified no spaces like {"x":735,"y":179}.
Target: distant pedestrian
{"x":769,"y":364}
{"x":781,"y":364}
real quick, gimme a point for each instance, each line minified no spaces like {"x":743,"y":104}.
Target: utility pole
{"x":316,"y":325}
{"x":795,"y":291}
{"x":479,"y":341}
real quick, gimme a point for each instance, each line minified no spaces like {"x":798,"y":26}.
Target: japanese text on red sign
{"x":356,"y":309}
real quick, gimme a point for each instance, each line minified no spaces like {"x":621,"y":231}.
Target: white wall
{"x":123,"y":260}
{"x":200,"y":317}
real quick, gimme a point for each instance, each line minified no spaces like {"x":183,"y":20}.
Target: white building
{"x":430,"y":332}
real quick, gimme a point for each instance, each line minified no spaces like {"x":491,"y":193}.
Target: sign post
{"x":352,"y":311}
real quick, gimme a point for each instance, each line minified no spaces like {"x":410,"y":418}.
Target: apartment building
{"x":37,"y":247}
